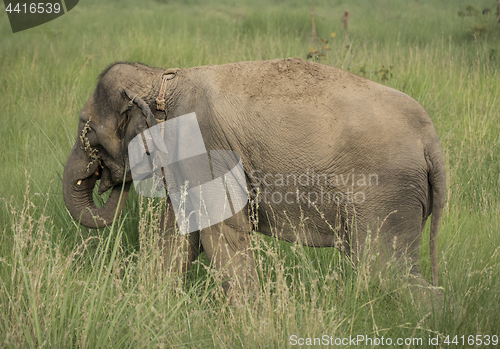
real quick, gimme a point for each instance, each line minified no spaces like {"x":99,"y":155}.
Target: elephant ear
{"x":133,"y":98}
{"x":137,"y":117}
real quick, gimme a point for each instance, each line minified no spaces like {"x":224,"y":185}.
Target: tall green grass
{"x":62,"y":285}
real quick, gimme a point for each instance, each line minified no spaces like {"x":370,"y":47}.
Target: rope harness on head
{"x":151,"y":121}
{"x":168,"y":75}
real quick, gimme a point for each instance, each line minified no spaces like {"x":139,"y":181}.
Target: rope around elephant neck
{"x":168,"y":75}
{"x":161,"y":105}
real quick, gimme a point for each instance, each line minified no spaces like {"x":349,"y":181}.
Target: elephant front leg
{"x":228,"y":246}
{"x":178,"y":251}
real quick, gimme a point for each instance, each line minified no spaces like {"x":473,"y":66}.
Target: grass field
{"x":62,"y":285}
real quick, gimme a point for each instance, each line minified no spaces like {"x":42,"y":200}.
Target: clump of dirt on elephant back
{"x":290,"y":79}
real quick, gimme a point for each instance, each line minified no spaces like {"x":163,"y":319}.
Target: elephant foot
{"x":228,"y":246}
{"x":425,"y":297}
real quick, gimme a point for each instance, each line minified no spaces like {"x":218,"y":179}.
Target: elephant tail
{"x":437,"y":182}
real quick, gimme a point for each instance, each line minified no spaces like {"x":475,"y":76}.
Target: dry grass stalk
{"x":345,"y":20}
{"x":314,"y":34}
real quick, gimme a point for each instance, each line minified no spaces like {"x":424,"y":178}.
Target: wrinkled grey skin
{"x":282,"y":117}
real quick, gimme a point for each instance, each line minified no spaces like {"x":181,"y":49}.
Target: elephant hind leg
{"x":390,"y":242}
{"x":228,"y":246}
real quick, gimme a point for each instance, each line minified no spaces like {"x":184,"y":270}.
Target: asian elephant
{"x":330,"y":160}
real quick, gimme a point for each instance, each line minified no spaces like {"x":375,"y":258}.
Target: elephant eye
{"x":92,"y":138}
{"x":89,"y":137}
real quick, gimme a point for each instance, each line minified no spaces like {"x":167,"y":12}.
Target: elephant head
{"x":118,"y":110}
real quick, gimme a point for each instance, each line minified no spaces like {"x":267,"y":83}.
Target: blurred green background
{"x":444,"y":54}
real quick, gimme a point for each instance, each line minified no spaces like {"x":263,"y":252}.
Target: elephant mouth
{"x":98,"y":172}
{"x":79,"y":197}
{"x":96,"y":175}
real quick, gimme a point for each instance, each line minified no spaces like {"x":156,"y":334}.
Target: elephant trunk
{"x":79,"y":179}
